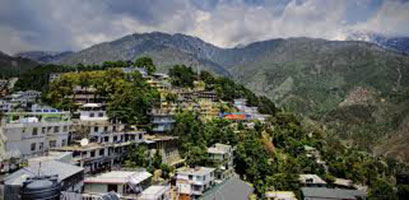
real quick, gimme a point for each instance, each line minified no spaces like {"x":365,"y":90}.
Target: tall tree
{"x":147,"y":63}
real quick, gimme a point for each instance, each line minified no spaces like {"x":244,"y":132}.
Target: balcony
{"x":163,"y":121}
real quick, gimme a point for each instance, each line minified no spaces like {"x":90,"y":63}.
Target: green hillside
{"x":11,"y":66}
{"x":356,"y":89}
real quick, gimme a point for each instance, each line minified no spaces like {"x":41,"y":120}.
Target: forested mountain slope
{"x":12,"y":66}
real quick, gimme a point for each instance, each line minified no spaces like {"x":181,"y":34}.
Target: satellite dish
{"x":84,"y":142}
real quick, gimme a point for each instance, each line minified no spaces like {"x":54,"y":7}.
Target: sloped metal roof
{"x":231,"y":189}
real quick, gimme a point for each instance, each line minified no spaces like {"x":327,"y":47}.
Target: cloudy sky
{"x":76,"y":24}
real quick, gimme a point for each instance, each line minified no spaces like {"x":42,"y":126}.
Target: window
{"x":100,"y":114}
{"x":112,"y":188}
{"x":197,"y":188}
{"x":101,"y":152}
{"x":49,"y":128}
{"x":96,"y":129}
{"x":115,"y":138}
{"x":91,"y":115}
{"x":43,"y":130}
{"x":92,"y":154}
{"x":106,"y":129}
{"x":140,"y":136}
{"x":41,"y":146}
{"x":190,"y":177}
{"x":35,"y":131}
{"x":113,"y":128}
{"x":53,"y":143}
{"x":65,"y":129}
{"x":106,"y":139}
{"x":56,"y":129}
{"x":33,"y":146}
{"x":76,"y":154}
{"x":63,"y":142}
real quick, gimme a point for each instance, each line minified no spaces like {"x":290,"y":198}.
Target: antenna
{"x":39,"y":168}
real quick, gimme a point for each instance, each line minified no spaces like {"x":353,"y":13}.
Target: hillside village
{"x":129,"y":132}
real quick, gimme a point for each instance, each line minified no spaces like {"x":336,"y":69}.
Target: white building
{"x":103,"y":155}
{"x":93,"y":112}
{"x":31,"y":133}
{"x":156,"y":192}
{"x":194,"y":181}
{"x":99,"y":144}
{"x":222,"y":156}
{"x":5,"y":106}
{"x":24,"y":98}
{"x":124,"y":183}
{"x":20,"y":99}
{"x":162,"y":120}
{"x":252,"y":112}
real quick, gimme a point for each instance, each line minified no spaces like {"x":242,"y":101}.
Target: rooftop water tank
{"x":42,"y":187}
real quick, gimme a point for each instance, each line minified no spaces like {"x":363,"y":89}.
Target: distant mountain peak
{"x":397,"y":43}
{"x":44,"y":56}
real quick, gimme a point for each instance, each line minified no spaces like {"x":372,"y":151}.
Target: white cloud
{"x":391,"y":19}
{"x":76,"y":24}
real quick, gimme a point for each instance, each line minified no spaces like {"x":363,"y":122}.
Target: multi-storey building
{"x":31,"y":133}
{"x":21,"y":99}
{"x":162,"y":119}
{"x":194,"y":182}
{"x":222,"y":157}
{"x":188,"y":95}
{"x":159,"y":81}
{"x":93,"y":112}
{"x":83,"y":95}
{"x":99,"y":144}
{"x":96,"y":157}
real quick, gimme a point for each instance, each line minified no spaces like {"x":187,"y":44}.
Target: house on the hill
{"x":194,"y":182}
{"x":221,"y":155}
{"x":128,"y":184}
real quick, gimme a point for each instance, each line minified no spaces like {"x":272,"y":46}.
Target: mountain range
{"x":44,"y":56}
{"x":12,"y":66}
{"x":355,"y":89}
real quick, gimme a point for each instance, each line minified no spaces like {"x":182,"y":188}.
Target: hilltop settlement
{"x":121,"y":130}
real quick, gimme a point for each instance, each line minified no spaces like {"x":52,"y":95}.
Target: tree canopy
{"x":147,"y":63}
